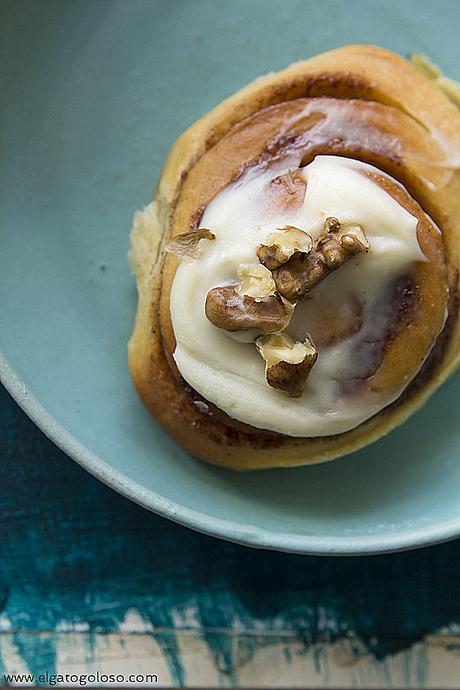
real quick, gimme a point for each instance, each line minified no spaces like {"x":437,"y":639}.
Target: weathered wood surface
{"x":91,"y":582}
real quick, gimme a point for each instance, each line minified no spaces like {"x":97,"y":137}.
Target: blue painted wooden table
{"x":90,"y":582}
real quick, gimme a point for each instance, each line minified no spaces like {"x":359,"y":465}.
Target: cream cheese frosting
{"x":227,"y":370}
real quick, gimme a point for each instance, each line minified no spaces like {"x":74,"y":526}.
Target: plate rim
{"x":202,"y":522}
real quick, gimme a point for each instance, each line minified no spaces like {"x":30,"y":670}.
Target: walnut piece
{"x":255,"y":281}
{"x":227,"y":309}
{"x":338,"y":243}
{"x":335,"y":245}
{"x":282,"y":244}
{"x":187,"y":245}
{"x":287,"y":362}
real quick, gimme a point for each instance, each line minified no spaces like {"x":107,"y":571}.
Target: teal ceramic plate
{"x":93,"y":94}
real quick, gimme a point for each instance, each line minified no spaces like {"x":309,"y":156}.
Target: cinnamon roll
{"x":298,"y":269}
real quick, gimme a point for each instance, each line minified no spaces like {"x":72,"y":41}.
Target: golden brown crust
{"x":409,"y":126}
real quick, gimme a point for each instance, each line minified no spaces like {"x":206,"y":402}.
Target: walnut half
{"x":282,"y":244}
{"x":255,"y":281}
{"x":252,"y":304}
{"x":227,"y":309}
{"x":287,"y":362}
{"x":335,"y":245}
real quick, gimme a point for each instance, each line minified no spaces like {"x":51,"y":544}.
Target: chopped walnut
{"x":287,"y":362}
{"x":335,"y":245}
{"x":227,"y":309}
{"x":187,"y":245}
{"x":255,"y":281}
{"x":282,"y":244}
{"x":338,"y":243}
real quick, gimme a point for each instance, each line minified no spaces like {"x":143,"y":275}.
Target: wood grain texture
{"x":90,"y":580}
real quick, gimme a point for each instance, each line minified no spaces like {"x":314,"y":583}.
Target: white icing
{"x":229,"y":372}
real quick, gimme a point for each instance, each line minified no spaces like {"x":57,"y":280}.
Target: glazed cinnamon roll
{"x":298,"y":269}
